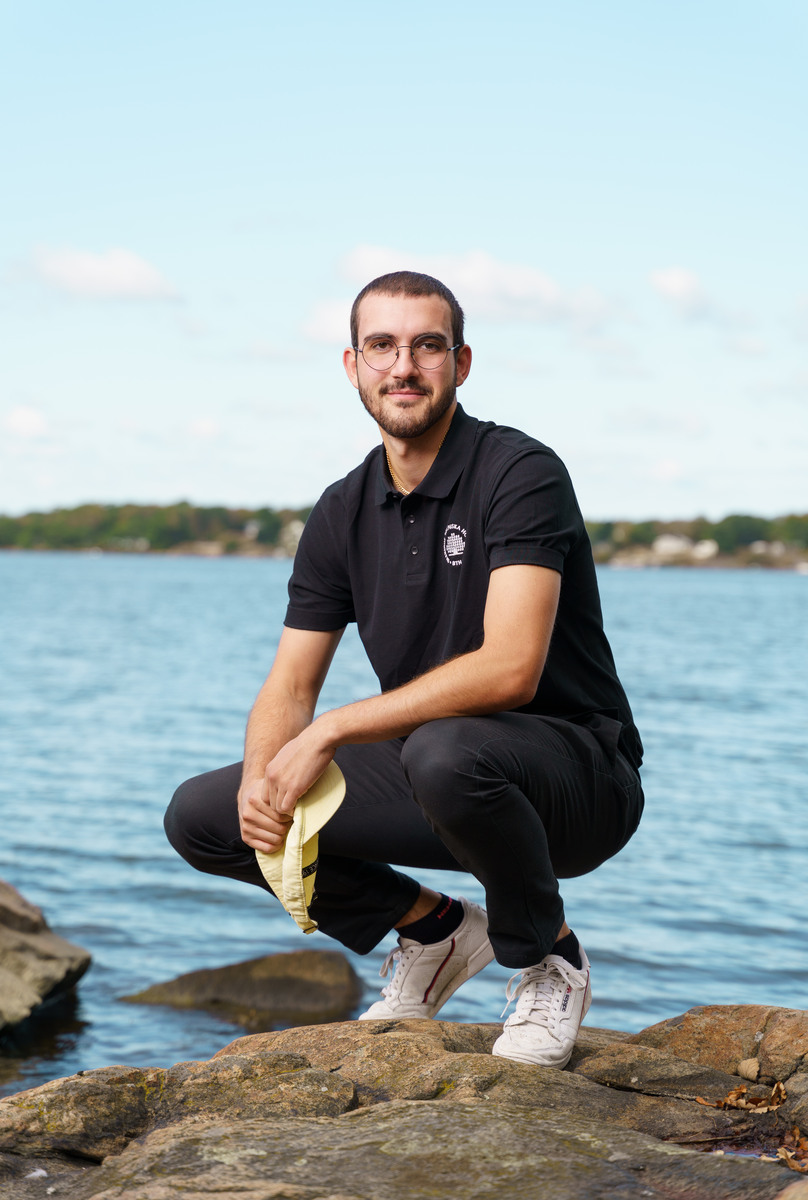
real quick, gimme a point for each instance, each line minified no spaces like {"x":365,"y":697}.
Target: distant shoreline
{"x":618,"y":562}
{"x":737,"y":541}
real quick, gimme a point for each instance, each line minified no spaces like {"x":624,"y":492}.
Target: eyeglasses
{"x":427,"y":352}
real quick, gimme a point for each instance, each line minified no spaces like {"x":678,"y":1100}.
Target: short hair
{"x":409,"y":283}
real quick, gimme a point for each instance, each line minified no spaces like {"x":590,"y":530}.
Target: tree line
{"x":141,"y":527}
{"x":733,"y":534}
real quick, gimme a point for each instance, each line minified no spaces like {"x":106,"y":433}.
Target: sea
{"x":122,"y":675}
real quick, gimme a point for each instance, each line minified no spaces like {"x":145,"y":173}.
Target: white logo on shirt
{"x":454,"y":543}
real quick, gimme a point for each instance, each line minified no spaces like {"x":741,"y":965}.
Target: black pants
{"x":517,"y":800}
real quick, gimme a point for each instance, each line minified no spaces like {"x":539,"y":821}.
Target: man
{"x":502,"y":742}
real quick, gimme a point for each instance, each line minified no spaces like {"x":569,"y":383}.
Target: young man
{"x":502,"y":742}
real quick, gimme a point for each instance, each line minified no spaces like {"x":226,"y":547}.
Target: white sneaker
{"x":426,"y":976}
{"x":551,"y":1001}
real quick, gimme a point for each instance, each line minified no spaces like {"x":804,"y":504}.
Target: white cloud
{"x":748,"y":347}
{"x":658,"y":423}
{"x":204,"y":429}
{"x":683,"y":289}
{"x":112,"y":274}
{"x":667,"y":470}
{"x":273,"y":352}
{"x":487,"y":287}
{"x":801,"y":319}
{"x":329,"y":321}
{"x":25,"y":422}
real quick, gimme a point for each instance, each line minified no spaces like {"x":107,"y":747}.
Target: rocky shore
{"x":420,"y":1109}
{"x":711,"y":1105}
{"x":36,"y":965}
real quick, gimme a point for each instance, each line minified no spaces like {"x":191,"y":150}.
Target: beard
{"x":402,"y":423}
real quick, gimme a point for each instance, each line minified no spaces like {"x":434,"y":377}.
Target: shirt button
{"x":413,"y":549}
{"x":410,"y":519}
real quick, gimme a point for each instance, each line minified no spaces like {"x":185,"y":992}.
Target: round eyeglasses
{"x":427,"y":352}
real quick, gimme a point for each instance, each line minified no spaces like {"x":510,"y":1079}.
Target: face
{"x":406,"y":400}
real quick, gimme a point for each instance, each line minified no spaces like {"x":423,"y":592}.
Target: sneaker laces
{"x":398,"y":956}
{"x":537,"y":989}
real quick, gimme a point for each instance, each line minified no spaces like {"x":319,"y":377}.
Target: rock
{"x":374,"y":1110}
{"x":724,"y":1036}
{"x":305,"y":986}
{"x":35,"y":963}
{"x":409,"y":1149}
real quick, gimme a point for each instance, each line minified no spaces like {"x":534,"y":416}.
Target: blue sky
{"x":193,"y":193}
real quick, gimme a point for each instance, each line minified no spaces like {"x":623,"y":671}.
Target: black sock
{"x":569,"y":948}
{"x":437,"y":925}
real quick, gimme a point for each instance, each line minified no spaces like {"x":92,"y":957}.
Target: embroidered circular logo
{"x":454,"y":543}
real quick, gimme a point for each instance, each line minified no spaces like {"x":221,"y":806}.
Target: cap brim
{"x":289,"y":871}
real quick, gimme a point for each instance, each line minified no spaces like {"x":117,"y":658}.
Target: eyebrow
{"x":392,"y":337}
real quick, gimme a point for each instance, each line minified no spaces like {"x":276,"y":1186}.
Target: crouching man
{"x":502,"y":743}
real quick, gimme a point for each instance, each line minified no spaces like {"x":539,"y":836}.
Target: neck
{"x":410,"y":459}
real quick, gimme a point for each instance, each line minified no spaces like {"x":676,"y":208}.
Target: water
{"x":125,"y":675}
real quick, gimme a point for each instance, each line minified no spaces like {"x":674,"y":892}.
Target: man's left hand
{"x":295,"y":767}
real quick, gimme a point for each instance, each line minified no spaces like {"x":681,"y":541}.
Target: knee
{"x":181,"y":817}
{"x":438,"y":764}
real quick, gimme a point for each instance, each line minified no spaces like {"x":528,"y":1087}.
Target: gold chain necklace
{"x":406,"y":491}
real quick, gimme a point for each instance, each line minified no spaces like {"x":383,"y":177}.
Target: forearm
{"x":474,"y":683}
{"x":275,"y":719}
{"x":502,"y":674}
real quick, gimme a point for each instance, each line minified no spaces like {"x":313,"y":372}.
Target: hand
{"x":262,"y":826}
{"x":295,"y":767}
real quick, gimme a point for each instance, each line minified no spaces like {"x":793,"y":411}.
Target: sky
{"x":194,"y":192}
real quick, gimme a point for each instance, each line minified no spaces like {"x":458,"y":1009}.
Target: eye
{"x":430,"y":345}
{"x":379,"y":345}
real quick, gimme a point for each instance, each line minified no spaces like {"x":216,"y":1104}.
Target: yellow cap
{"x":290,"y":871}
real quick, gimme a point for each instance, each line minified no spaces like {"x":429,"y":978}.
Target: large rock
{"x":770,"y":1043}
{"x":35,"y":963}
{"x":303,"y":987}
{"x":382,"y":1109}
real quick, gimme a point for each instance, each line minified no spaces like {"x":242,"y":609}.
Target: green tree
{"x":740,"y":530}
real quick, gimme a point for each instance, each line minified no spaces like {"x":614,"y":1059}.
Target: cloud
{"x":273,"y":352}
{"x":25,"y":422}
{"x":683,"y":289}
{"x":329,"y":321}
{"x":659,"y":423}
{"x":667,"y":470}
{"x":113,"y":274}
{"x":204,"y":429}
{"x":489,"y":288}
{"x":748,"y":347}
{"x":800,"y":320}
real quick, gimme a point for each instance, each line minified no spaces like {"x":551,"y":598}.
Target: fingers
{"x":262,"y":826}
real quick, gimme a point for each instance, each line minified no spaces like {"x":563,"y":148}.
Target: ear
{"x":349,"y":356}
{"x":463,"y":364}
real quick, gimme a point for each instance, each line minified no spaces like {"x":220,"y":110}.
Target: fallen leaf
{"x":737,"y":1098}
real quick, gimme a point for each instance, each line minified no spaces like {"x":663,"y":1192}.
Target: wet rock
{"x":35,"y":963}
{"x":305,"y":986}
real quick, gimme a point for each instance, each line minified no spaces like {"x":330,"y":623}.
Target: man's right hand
{"x":262,"y":826}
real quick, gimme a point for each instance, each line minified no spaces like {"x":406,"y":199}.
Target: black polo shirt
{"x":412,"y":571}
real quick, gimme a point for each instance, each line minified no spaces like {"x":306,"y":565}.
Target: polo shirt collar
{"x":447,"y":467}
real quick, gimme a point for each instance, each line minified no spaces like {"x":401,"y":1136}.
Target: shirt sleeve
{"x":532,"y":514}
{"x":319,"y":590}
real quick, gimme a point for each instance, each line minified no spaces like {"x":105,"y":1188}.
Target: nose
{"x":405,"y":364}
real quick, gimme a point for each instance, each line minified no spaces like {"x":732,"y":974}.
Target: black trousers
{"x":517,"y":800}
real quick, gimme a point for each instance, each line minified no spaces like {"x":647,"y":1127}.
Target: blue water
{"x":124,"y":675}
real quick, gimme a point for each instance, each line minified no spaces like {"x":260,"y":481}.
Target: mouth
{"x":406,"y":392}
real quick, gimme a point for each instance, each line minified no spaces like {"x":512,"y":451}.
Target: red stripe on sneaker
{"x":434,"y":979}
